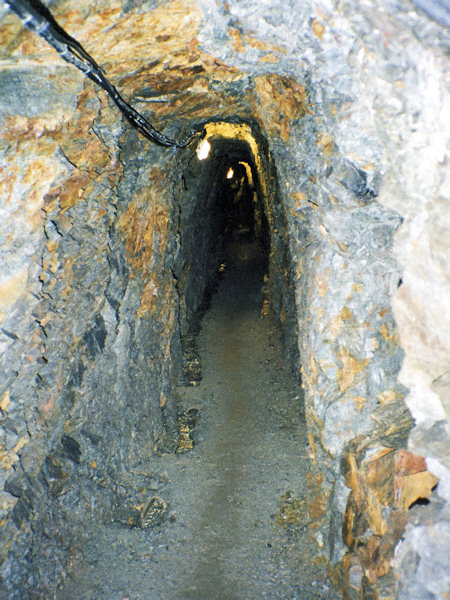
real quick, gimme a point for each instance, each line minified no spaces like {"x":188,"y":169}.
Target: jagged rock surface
{"x":351,"y":102}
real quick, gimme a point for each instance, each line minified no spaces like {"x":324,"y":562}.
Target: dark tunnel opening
{"x":224,"y":225}
{"x":239,"y":202}
{"x":240,"y":225}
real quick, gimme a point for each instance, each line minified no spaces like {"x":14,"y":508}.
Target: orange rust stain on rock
{"x":317,"y":506}
{"x":144,"y":230}
{"x":312,"y":445}
{"x":39,"y":167}
{"x":314,"y":369}
{"x":47,"y":409}
{"x":365,"y":498}
{"x":360,"y":401}
{"x":148,"y":299}
{"x":318,"y":28}
{"x":378,"y":473}
{"x":71,"y":191}
{"x":376,"y":565}
{"x":408,"y":463}
{"x":17,"y":129}
{"x":7,"y":179}
{"x":172,"y":26}
{"x":299,"y":197}
{"x":137,"y":225}
{"x":91,"y":159}
{"x":412,"y":479}
{"x":348,"y":526}
{"x":257,"y":43}
{"x":387,"y":335}
{"x":52,"y":245}
{"x":325,"y":141}
{"x":414,"y":486}
{"x":386,"y":396}
{"x":282,"y":99}
{"x":322,"y":285}
{"x":237,"y":39}
{"x":386,"y":478}
{"x":346,"y":313}
{"x":82,"y":148}
{"x":240,"y":42}
{"x":18,"y":40}
{"x":350,"y":368}
{"x":269,"y":58}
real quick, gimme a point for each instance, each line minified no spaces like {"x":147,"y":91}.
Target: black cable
{"x":39,"y":19}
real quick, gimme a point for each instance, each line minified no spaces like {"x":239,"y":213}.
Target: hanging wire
{"x":36,"y":17}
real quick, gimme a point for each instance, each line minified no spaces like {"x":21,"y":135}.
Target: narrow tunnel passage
{"x":227,"y":196}
{"x":111,"y":243}
{"x":110,"y":250}
{"x":237,"y":501}
{"x":250,"y":507}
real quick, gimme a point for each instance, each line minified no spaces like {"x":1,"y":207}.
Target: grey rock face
{"x":424,"y":571}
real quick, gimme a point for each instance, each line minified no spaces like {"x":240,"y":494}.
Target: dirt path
{"x":237,"y":500}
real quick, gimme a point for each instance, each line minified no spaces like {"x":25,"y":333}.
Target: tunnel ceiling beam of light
{"x":248,"y":171}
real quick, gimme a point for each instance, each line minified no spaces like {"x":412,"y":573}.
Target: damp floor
{"x":236,"y":525}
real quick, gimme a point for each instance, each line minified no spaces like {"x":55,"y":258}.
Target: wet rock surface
{"x":234,"y":529}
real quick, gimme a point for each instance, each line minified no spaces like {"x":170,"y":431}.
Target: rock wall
{"x":350,"y":100}
{"x":88,"y":312}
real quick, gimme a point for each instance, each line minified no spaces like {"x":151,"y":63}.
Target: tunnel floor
{"x":237,"y":500}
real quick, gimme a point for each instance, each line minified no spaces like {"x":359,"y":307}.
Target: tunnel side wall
{"x":88,"y":314}
{"x":352,"y":100}
{"x":199,"y":236}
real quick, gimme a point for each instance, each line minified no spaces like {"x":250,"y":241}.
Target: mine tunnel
{"x":225,"y":201}
{"x":223,"y":300}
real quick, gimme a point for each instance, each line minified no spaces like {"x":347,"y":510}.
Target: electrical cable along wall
{"x":38,"y":19}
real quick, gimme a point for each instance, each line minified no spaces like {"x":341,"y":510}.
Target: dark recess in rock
{"x":71,"y":448}
{"x":94,"y":338}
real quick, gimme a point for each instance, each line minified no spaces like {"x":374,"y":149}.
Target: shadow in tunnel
{"x":223,"y":227}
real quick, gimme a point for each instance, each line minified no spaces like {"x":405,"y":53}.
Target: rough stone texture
{"x":351,"y":101}
{"x":86,"y":388}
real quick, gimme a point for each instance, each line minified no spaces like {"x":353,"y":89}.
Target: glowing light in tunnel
{"x":248,"y":170}
{"x":243,"y":132}
{"x":230,"y":173}
{"x":203,"y":149}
